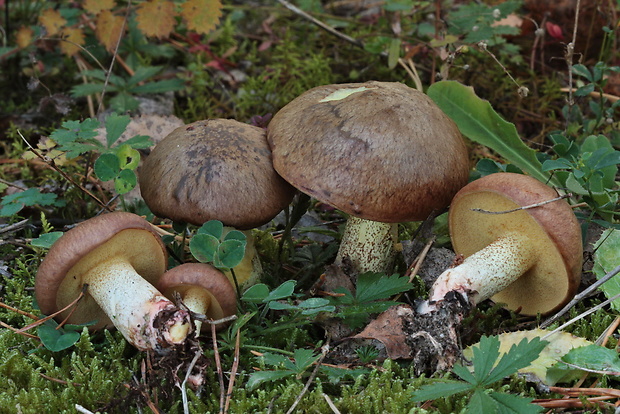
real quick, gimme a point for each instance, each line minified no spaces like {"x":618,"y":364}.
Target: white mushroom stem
{"x":198,"y":300}
{"x":370,"y":245}
{"x":140,"y":312}
{"x":488,"y":271}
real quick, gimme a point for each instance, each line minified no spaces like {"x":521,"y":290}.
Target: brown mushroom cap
{"x":553,"y":280}
{"x":190,"y":275}
{"x":125,"y":235}
{"x":217,"y":169}
{"x":377,"y":150}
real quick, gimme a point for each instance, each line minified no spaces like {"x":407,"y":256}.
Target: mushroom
{"x":119,"y":257}
{"x":381,"y":152}
{"x":203,"y":289}
{"x":528,"y":258}
{"x":217,"y":169}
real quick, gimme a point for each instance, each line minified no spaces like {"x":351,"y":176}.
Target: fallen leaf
{"x":97,"y":6}
{"x":108,"y":29}
{"x":156,"y":18}
{"x":73,"y":39}
{"x":388,"y":329}
{"x":52,"y":21}
{"x":202,"y":16}
{"x":24,"y":37}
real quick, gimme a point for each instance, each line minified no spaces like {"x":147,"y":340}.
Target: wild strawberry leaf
{"x":155,"y":18}
{"x":201,"y":16}
{"x":52,"y":21}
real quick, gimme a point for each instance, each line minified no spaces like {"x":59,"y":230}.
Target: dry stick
{"x":331,"y":404}
{"x":47,"y":318}
{"x":324,"y":352}
{"x":233,"y":373}
{"x":570,"y":51}
{"x":50,"y":162}
{"x":184,"y":383}
{"x":218,"y":365}
{"x":580,"y":296}
{"x":417,"y":263}
{"x":542,"y":203}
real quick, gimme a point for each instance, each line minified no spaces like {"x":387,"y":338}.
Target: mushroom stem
{"x":368,"y":244}
{"x":139,"y":311}
{"x":488,"y":271}
{"x":198,"y":300}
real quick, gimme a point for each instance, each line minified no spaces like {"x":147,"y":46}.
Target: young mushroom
{"x":203,"y":289}
{"x":381,"y":152}
{"x":118,"y":257}
{"x":217,"y":169}
{"x":527,"y":258}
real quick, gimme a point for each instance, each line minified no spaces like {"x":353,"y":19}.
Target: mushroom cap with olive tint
{"x":118,"y":235}
{"x":380,"y":151}
{"x":216,"y":169}
{"x":553,"y":229}
{"x":211,"y":281}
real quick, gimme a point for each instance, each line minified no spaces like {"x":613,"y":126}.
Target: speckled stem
{"x":140,"y":312}
{"x":368,"y":244}
{"x":487,"y":271}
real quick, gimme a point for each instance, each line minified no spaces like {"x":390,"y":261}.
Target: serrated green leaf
{"x":213,"y":227}
{"x":115,"y":125}
{"x":477,"y":120}
{"x":465,"y":374}
{"x":377,"y":286}
{"x":445,"y":388}
{"x":142,"y":73}
{"x":485,"y":357}
{"x":204,"y":247}
{"x":125,"y":181}
{"x":519,"y":356}
{"x":606,"y":258}
{"x":480,"y":402}
{"x":107,"y":167}
{"x":140,"y":142}
{"x":304,"y":358}
{"x":513,"y":404}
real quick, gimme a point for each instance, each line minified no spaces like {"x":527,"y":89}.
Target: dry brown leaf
{"x":108,"y":29}
{"x":52,"y":21}
{"x":388,"y":329}
{"x":201,"y":16}
{"x":74,"y":38}
{"x":156,"y":18}
{"x":24,"y":37}
{"x":97,"y":6}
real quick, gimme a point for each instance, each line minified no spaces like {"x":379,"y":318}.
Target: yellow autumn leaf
{"x":73,"y":39}
{"x":201,"y":16}
{"x":24,"y":37}
{"x":97,"y":6}
{"x":52,"y":21}
{"x":108,"y":29}
{"x":156,"y":18}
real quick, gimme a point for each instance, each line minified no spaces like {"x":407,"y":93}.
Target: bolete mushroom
{"x":528,"y":258}
{"x":203,"y":289}
{"x":381,"y":152}
{"x":119,"y":257}
{"x":217,"y":169}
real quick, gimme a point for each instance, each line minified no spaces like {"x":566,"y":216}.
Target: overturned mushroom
{"x":203,"y":289}
{"x":381,"y":152}
{"x":119,"y":257}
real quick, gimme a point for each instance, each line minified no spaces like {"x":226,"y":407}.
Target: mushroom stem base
{"x":140,"y":312}
{"x":487,"y":271}
{"x":369,"y":245}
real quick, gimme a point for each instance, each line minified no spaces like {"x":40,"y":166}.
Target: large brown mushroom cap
{"x":206,"y":277}
{"x":125,"y":235}
{"x":377,"y":150}
{"x":552,"y":227}
{"x":215,"y":169}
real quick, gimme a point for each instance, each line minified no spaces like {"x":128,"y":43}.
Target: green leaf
{"x":519,"y":356}
{"x":283,"y":291}
{"x":378,"y":286}
{"x":143,"y":73}
{"x":115,"y":125}
{"x":394,"y":53}
{"x":594,"y":357}
{"x":513,"y":404}
{"x":256,"y":293}
{"x":125,"y":182}
{"x":304,"y":358}
{"x":56,"y":339}
{"x":46,"y":240}
{"x":213,"y":227}
{"x":445,"y":388}
{"x":107,"y":167}
{"x":231,"y":252}
{"x":258,"y":378}
{"x":480,"y":402}
{"x":139,"y":142}
{"x":485,"y":357}
{"x":128,"y":157}
{"x":160,"y":86}
{"x":13,"y":203}
{"x":477,"y":120}
{"x":606,"y":258}
{"x":204,"y":247}
{"x":235,"y":235}
{"x":582,"y":70}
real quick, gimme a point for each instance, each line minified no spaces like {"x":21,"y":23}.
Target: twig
{"x":83,"y":410}
{"x":14,"y":226}
{"x":542,"y":203}
{"x":324,"y":352}
{"x":233,"y":373}
{"x":218,"y":365}
{"x":580,"y":296}
{"x":184,"y":383}
{"x":570,"y":52}
{"x":331,"y":404}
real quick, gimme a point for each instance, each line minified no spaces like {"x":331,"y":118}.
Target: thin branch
{"x":218,"y":365}
{"x":324,"y":352}
{"x":183,"y":385}
{"x":233,"y":372}
{"x":542,"y":203}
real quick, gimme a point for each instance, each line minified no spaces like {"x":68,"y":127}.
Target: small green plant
{"x":13,"y":203}
{"x":212,"y":245}
{"x":57,"y":338}
{"x":488,"y":370}
{"x":274,"y":300}
{"x":301,"y":360}
{"x":367,"y":354}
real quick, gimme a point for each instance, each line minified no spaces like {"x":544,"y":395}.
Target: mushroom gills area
{"x":488,"y":271}
{"x":120,"y":291}
{"x":545,"y":284}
